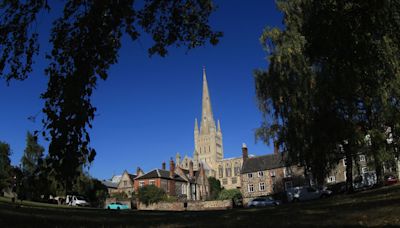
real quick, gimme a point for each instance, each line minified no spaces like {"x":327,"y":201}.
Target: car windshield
{"x":80,"y":198}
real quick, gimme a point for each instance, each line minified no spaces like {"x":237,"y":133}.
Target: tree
{"x":5,"y":166}
{"x":215,"y":188}
{"x":32,"y":164}
{"x":150,"y":194}
{"x":86,"y":39}
{"x":332,"y":79}
{"x":230,"y":194}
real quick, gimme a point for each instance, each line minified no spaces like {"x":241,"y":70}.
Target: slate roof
{"x":159,"y":173}
{"x":265,"y":162}
{"x":109,"y":184}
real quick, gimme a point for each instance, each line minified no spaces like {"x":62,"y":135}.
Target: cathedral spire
{"x":218,"y":126}
{"x":207,"y":119}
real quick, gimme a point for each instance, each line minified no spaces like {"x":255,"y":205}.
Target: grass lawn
{"x":378,"y":207}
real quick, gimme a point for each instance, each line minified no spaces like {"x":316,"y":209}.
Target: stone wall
{"x":191,"y":206}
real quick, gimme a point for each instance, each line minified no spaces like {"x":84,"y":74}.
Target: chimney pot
{"x":245,"y":152}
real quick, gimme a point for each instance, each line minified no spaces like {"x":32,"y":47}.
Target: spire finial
{"x":219,"y":126}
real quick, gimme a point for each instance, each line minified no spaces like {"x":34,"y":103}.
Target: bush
{"x":150,"y":194}
{"x":119,"y":196}
{"x":230,"y":194}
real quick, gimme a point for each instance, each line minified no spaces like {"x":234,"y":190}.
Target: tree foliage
{"x":215,"y":188}
{"x":5,"y":166}
{"x":230,"y":194}
{"x":85,"y":42}
{"x":332,"y":79}
{"x":150,"y":194}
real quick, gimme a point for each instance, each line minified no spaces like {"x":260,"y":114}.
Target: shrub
{"x":151,"y":194}
{"x":119,"y":195}
{"x":215,"y":188}
{"x":230,"y":194}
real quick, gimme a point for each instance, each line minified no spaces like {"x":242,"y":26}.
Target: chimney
{"x":163,"y":166}
{"x":171,"y":168}
{"x":191,"y":169}
{"x":276,"y":148}
{"x":245,"y":153}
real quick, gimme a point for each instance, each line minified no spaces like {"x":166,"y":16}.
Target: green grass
{"x":378,"y":207}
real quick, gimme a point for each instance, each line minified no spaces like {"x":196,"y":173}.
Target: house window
{"x":260,"y":173}
{"x":141,"y":183}
{"x":152,"y":182}
{"x":249,"y":175}
{"x":364,"y":169}
{"x":272,"y":173}
{"x":287,"y":172}
{"x":183,"y":186}
{"x":331,"y":179}
{"x":261,"y":186}
{"x":220,"y":171}
{"x":344,"y":161}
{"x":224,"y":181}
{"x":362,"y":158}
{"x":288,"y":185}
{"x":250,"y":188}
{"x":125,"y":183}
{"x":234,"y":180}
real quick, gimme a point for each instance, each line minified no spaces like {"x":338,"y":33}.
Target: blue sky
{"x":147,"y":106}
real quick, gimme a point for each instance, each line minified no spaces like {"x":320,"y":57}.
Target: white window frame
{"x":285,"y":172}
{"x":364,"y":169}
{"x":261,"y":186}
{"x":344,"y":162}
{"x":331,"y":179}
{"x":362,"y":158}
{"x":250,"y":187}
{"x":260,"y":173}
{"x":250,"y":175}
{"x":141,"y":184}
{"x":152,"y":182}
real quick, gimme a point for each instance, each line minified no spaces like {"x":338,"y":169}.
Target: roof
{"x":265,"y":162}
{"x":159,"y":173}
{"x":116,"y":178}
{"x":132,"y":176}
{"x":109,"y":184}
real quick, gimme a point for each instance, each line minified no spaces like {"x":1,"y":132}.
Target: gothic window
{"x":237,"y":169}
{"x":228,"y":170}
{"x":220,"y":171}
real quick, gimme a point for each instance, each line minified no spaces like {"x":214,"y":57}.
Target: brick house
{"x":268,"y":174}
{"x":168,"y":180}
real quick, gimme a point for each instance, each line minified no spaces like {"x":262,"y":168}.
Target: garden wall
{"x":190,"y":206}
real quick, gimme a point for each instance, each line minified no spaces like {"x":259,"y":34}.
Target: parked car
{"x":389,"y":180}
{"x":73,"y":200}
{"x":304,"y":193}
{"x":117,"y":206}
{"x":263,"y":202}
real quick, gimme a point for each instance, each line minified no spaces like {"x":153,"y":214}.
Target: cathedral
{"x":208,"y":147}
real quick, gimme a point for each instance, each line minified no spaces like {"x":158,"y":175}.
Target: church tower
{"x":208,"y":139}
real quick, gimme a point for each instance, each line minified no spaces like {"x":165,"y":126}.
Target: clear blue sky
{"x":147,"y":106}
